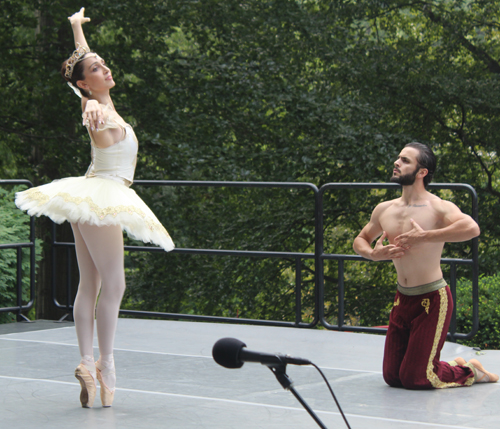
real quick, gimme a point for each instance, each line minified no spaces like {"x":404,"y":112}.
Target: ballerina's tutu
{"x":95,"y":201}
{"x":101,"y":197}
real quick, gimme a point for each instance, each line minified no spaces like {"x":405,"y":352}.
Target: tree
{"x":288,"y":90}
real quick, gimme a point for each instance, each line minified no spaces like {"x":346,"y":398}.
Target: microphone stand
{"x":279,"y":370}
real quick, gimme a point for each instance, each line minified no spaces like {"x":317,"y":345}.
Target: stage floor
{"x":168,"y":379}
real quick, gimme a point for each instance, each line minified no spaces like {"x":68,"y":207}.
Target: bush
{"x":488,"y":336}
{"x":14,"y":228}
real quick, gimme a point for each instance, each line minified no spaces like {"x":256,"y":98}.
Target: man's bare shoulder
{"x":440,"y":205}
{"x":382,"y":209}
{"x":434,"y":198}
{"x":387,"y":204}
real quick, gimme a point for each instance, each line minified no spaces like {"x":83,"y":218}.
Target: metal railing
{"x":298,"y":257}
{"x":19,"y":307}
{"x":318,"y":256}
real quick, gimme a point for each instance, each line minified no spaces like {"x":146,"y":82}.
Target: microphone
{"x":232,"y":353}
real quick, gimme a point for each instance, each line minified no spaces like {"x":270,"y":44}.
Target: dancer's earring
{"x":90,"y":92}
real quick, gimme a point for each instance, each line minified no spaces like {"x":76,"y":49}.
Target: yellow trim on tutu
{"x":132,"y":218}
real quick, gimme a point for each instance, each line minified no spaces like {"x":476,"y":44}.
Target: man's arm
{"x":362,"y":243}
{"x":457,"y":227}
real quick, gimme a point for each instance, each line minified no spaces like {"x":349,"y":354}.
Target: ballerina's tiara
{"x":77,"y":56}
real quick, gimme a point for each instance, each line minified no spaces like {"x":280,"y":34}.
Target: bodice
{"x":118,"y":161}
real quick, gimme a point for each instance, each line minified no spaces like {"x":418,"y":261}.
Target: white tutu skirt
{"x":95,"y":201}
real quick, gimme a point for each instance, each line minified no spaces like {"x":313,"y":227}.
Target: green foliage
{"x":245,"y":286}
{"x":285,"y":90}
{"x":488,"y":336}
{"x":14,"y":228}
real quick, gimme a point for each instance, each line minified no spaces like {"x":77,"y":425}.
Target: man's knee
{"x":392,"y":379}
{"x":414,"y":381}
{"x":406,"y":378}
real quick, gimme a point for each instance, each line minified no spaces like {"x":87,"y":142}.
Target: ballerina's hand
{"x":93,"y":116}
{"x":78,"y":17}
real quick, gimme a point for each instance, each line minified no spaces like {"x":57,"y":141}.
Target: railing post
{"x":68,"y":282}
{"x":341,"y":297}
{"x":19,"y":282}
{"x":53,"y":277}
{"x":453,"y":289}
{"x":318,"y":258}
{"x":298,"y":290}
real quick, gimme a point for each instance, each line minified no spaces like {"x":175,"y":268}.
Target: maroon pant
{"x":417,"y":330}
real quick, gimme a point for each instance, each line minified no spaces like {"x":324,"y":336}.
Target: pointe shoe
{"x":87,"y":382}
{"x":107,"y":396}
{"x":485,"y":377}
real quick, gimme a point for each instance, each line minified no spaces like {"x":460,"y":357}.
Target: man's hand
{"x":78,"y":17}
{"x":414,"y":236}
{"x":382,"y":253}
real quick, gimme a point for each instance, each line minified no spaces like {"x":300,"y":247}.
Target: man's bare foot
{"x":458,"y":361}
{"x":480,"y":374}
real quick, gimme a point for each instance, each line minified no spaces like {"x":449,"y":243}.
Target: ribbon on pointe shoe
{"x":107,"y":379}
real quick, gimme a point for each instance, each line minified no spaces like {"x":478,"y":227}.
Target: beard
{"x":406,"y":179}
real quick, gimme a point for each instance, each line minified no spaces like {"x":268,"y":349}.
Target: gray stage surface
{"x":168,"y":379}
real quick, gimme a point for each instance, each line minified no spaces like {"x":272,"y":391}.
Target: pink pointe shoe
{"x":107,"y":395}
{"x":87,"y":382}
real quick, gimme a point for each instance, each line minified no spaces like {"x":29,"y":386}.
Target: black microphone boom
{"x":232,"y":353}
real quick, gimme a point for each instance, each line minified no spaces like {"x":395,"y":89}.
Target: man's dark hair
{"x":425,"y":159}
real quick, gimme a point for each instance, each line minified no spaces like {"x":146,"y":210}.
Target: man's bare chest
{"x":396,"y":219}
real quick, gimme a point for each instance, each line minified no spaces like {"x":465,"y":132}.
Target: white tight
{"x":99,"y":251}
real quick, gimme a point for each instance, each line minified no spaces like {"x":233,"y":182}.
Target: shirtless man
{"x":417,"y":225}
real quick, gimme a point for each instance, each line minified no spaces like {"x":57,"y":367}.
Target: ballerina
{"x":99,"y":206}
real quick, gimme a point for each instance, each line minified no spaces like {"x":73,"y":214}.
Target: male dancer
{"x":417,"y":225}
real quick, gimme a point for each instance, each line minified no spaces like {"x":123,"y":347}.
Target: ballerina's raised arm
{"x":92,"y":112}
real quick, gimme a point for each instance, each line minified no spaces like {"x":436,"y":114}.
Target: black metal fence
{"x":19,"y":307}
{"x":318,"y":256}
